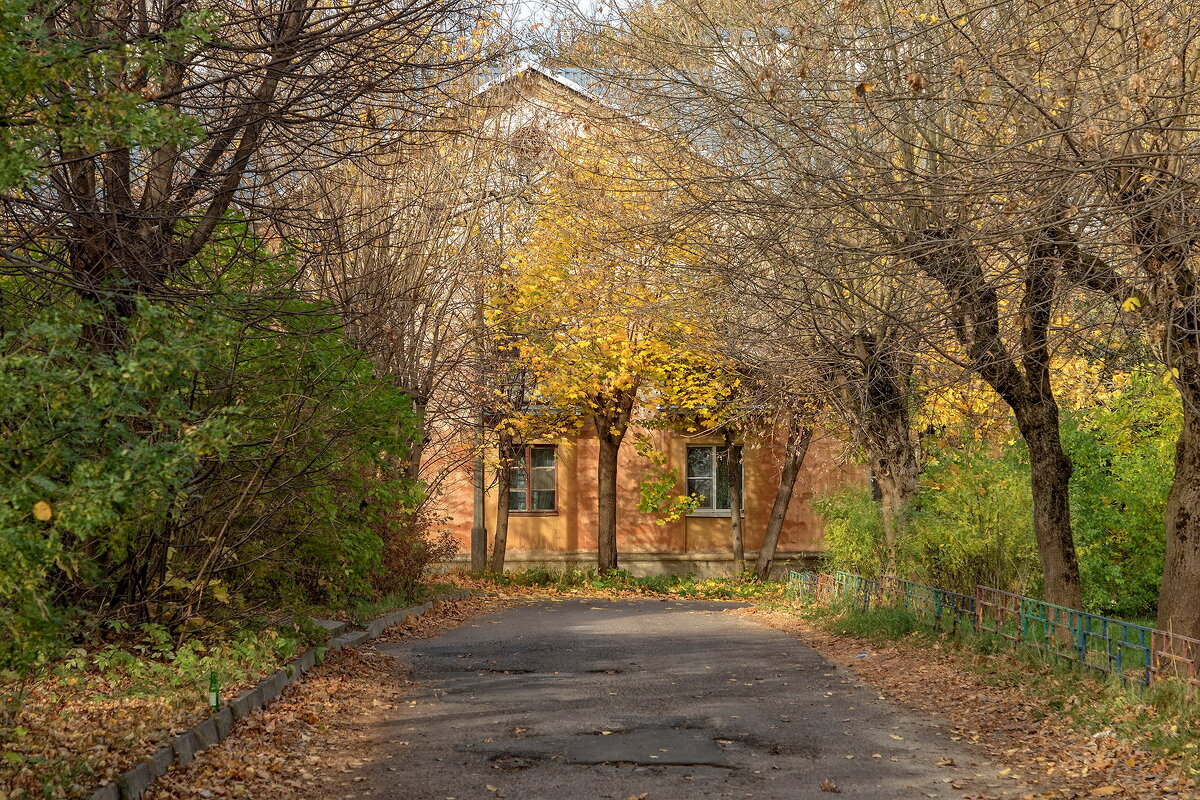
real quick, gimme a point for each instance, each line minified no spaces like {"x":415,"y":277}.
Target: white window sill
{"x":723,"y":512}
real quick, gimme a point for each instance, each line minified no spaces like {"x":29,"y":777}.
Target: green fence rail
{"x":1106,"y":645}
{"x":942,"y":608}
{"x":1135,"y":654}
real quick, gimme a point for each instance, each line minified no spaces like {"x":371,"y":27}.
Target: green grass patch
{"x":363,"y":611}
{"x":745,"y":588}
{"x":876,"y":624}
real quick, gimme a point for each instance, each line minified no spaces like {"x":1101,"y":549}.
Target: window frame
{"x":521,"y":458}
{"x":711,"y":511}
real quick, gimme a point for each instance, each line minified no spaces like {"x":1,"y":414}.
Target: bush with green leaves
{"x":854,"y":539}
{"x":94,"y":451}
{"x":216,"y":466}
{"x":972,"y":521}
{"x":1123,"y":450}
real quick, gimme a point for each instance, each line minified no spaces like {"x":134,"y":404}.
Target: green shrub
{"x":974,"y":521}
{"x":1123,"y":450}
{"x":207,"y":468}
{"x":854,"y":539}
{"x":94,"y":450}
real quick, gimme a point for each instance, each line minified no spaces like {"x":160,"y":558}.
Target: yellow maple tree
{"x":601,"y":306}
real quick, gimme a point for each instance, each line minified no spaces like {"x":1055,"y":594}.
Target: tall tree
{"x":843,"y":121}
{"x":597,"y":321}
{"x":795,"y":449}
{"x":215,"y":109}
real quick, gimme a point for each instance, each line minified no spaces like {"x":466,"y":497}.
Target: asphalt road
{"x":653,"y":700}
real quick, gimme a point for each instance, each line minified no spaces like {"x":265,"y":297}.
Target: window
{"x":532,"y":478}
{"x":708,"y":476}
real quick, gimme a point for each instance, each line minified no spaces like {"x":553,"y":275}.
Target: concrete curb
{"x":133,"y":783}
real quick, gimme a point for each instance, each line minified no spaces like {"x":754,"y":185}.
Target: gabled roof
{"x":530,"y":67}
{"x":570,"y":80}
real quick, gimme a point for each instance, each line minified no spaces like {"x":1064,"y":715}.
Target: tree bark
{"x":503,"y":484}
{"x":733,"y":459}
{"x":1179,"y":595}
{"x":606,"y":505}
{"x":611,"y":423}
{"x":416,"y":446}
{"x":1050,"y":477}
{"x":880,"y":408}
{"x":797,"y":449}
{"x":897,"y":475}
{"x":479,"y":508}
{"x":1167,"y":258}
{"x":1020,"y":374}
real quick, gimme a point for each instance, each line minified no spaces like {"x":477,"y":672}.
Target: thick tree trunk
{"x":896,"y":472}
{"x":606,"y":504}
{"x":881,"y":411}
{"x":1179,"y":595}
{"x":503,"y":484}
{"x":1020,"y":374}
{"x":1050,"y":477}
{"x":737,"y":538}
{"x":1167,"y":257}
{"x":797,"y":448}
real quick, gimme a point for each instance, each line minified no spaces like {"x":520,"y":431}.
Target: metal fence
{"x":809,"y":587}
{"x":944,"y":609}
{"x":1106,"y":645}
{"x":1135,"y":654}
{"x":1175,"y":656}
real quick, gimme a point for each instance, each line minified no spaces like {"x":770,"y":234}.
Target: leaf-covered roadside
{"x":97,"y":713}
{"x":1071,"y":735}
{"x":308,"y":742}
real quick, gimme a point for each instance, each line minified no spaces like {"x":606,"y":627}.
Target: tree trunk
{"x":1020,"y":374}
{"x":1179,"y":595}
{"x":733,"y":458}
{"x":479,"y":508}
{"x":611,"y":423}
{"x":1050,"y":477}
{"x":416,"y":446}
{"x":606,"y":504}
{"x":881,"y":411}
{"x":503,"y":483}
{"x":797,"y":448}
{"x":897,"y":475}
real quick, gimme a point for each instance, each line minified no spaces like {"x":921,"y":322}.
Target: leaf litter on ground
{"x":311,"y":740}
{"x":1014,"y":720}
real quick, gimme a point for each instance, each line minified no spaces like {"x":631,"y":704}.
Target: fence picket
{"x":1135,"y":654}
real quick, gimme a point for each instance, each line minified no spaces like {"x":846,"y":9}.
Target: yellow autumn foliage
{"x":600,"y":300}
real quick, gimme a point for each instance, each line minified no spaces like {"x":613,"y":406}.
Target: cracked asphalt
{"x":649,"y":699}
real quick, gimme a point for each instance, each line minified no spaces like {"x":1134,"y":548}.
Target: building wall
{"x":536,"y":537}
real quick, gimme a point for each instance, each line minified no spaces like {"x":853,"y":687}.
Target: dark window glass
{"x":533,"y":476}
{"x":708,"y":476}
